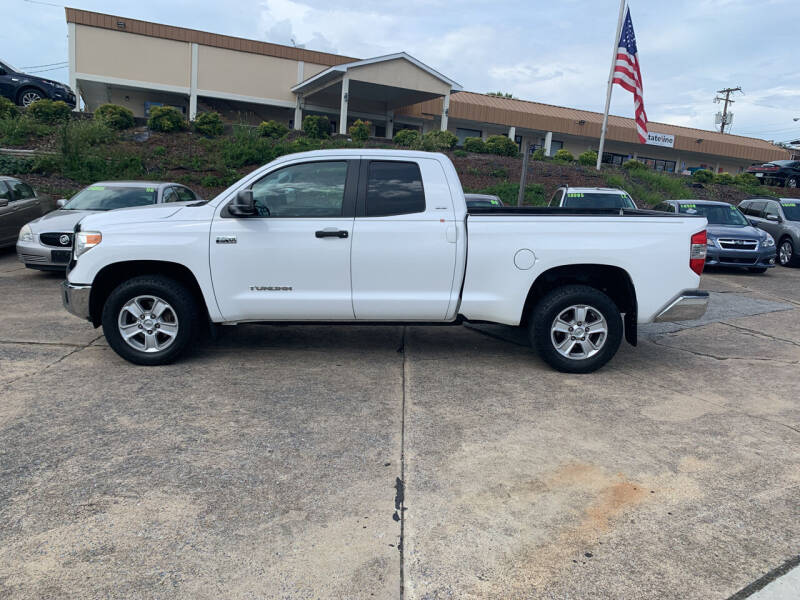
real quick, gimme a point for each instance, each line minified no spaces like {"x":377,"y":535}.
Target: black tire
{"x":29,"y":90}
{"x":757,"y":269}
{"x":181,"y":301}
{"x":792,"y":252}
{"x":553,"y":305}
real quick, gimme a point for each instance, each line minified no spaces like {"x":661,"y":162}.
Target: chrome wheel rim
{"x":148,"y":324}
{"x":29,"y":98}
{"x":579,"y":332}
{"x":792,"y":183}
{"x":785,"y":252}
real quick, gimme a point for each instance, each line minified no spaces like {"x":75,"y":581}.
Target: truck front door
{"x":292,"y":261}
{"x":404,"y":242}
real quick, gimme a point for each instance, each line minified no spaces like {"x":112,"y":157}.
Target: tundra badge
{"x":226,"y":239}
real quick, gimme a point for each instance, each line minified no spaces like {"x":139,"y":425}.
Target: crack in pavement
{"x":34,"y":343}
{"x":756,"y":333}
{"x":723,"y":358}
{"x":400,"y":500}
{"x":75,"y":350}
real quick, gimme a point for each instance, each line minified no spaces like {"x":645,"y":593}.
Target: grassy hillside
{"x":79,"y":150}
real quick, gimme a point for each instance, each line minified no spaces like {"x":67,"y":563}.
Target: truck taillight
{"x":697,"y":252}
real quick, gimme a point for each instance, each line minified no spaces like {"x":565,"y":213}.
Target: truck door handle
{"x":338,"y":233}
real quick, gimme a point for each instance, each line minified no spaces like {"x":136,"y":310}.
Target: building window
{"x":611,"y":158}
{"x":667,"y":166}
{"x":463,"y":134}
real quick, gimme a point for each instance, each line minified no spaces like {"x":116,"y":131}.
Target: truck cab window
{"x":394,"y":188}
{"x":314,"y":189}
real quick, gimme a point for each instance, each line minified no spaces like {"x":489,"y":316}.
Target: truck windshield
{"x":716,"y":214}
{"x":99,"y":197}
{"x":791,"y":210}
{"x":594,"y":200}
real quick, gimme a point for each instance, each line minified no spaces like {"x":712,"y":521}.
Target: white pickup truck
{"x":381,"y":236}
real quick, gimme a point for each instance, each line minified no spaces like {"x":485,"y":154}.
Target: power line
{"x":46,"y":70}
{"x":63,"y":62}
{"x":45,"y":3}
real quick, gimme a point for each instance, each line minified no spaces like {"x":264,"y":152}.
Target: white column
{"x":716,"y":168}
{"x":635,"y":156}
{"x":389,"y":124}
{"x":343,"y":108}
{"x":445,"y":110}
{"x":298,"y":113}
{"x":73,"y":82}
{"x":484,"y":135}
{"x":512,"y":133}
{"x":193,"y":84}
{"x":548,"y":142}
{"x":301,"y":67}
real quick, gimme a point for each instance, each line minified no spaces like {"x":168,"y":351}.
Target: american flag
{"x":627,"y":74}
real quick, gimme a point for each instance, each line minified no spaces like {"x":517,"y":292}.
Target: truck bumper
{"x":687,"y":306}
{"x":76,"y":299}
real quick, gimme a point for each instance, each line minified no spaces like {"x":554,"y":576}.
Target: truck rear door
{"x":404,"y":241}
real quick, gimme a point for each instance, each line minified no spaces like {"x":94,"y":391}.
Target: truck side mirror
{"x":244,"y":205}
{"x":775,"y":218}
{"x":61,"y":202}
{"x":3,"y":202}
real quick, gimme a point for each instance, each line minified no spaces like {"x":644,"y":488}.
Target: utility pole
{"x":727,"y":100}
{"x":524,"y":176}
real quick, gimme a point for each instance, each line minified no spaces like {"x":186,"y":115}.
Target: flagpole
{"x":610,"y":80}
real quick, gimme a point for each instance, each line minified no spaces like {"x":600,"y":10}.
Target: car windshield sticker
{"x":494,"y":202}
{"x":150,"y":189}
{"x":97,"y":188}
{"x":790,"y":203}
{"x":575,"y":195}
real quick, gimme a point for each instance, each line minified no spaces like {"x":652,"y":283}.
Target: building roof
{"x":181,"y":34}
{"x":344,"y":67}
{"x":571,"y":121}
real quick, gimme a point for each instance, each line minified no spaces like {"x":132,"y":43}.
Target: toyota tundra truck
{"x":381,"y":236}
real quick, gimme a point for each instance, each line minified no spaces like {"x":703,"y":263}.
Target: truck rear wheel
{"x":576,"y":329}
{"x":150,"y":320}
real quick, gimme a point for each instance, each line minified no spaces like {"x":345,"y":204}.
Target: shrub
{"x":474,"y":144}
{"x":460,"y":153}
{"x":166,"y":119}
{"x":563,"y":156}
{"x":723,"y":178}
{"x":49,"y":111}
{"x":19,"y":131}
{"x":213,"y":181}
{"x":407,"y":137}
{"x":316,"y":127}
{"x":246,"y":147}
{"x":15,"y":165}
{"x":439,"y":140}
{"x":634,"y":165}
{"x":538,"y":154}
{"x":703,"y":176}
{"x":272,"y":129}
{"x":502,"y":145}
{"x":208,"y":124}
{"x":746,"y":179}
{"x":46,"y":164}
{"x":114,"y":116}
{"x":8,"y":109}
{"x":501,"y":172}
{"x":508,"y":192}
{"x":588,"y":158}
{"x":359,"y":130}
{"x":159,"y":151}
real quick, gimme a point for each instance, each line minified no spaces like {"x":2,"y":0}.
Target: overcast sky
{"x":553,"y":52}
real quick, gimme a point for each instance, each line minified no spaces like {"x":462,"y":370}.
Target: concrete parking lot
{"x":375,"y":462}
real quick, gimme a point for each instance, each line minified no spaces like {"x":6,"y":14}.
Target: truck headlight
{"x":86,"y":240}
{"x":769,"y":242}
{"x":25,"y":234}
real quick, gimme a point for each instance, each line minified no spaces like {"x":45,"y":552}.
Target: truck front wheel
{"x":576,"y":329}
{"x":150,"y":319}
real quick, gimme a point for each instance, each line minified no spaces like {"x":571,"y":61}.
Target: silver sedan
{"x":46,"y":243}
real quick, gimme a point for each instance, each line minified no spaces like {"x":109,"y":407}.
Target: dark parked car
{"x":25,"y":89}
{"x":781,"y":172}
{"x":780,"y":217}
{"x":482,"y":200}
{"x":19,"y":203}
{"x":732,"y":240}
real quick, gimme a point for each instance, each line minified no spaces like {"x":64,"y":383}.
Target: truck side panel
{"x":507,"y":253}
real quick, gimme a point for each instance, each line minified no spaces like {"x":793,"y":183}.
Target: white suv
{"x":591,"y":197}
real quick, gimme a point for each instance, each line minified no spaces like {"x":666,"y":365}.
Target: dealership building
{"x":139,"y":64}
